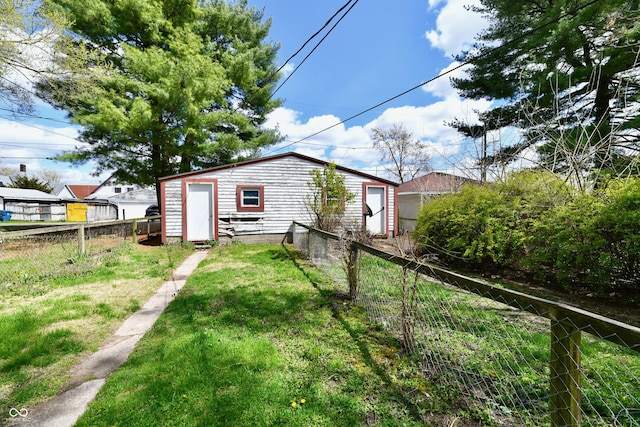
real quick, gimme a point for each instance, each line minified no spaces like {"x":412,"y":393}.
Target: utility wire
{"x":317,"y":44}
{"x":284,"y":64}
{"x":23,"y":143}
{"x":349,"y":4}
{"x":44,"y":129}
{"x":27,"y":158}
{"x":313,"y":36}
{"x":465,"y":63}
{"x":32,"y":116}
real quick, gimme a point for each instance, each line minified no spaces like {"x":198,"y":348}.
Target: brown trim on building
{"x":278,"y":156}
{"x":366,"y":185}
{"x":239,"y":198}
{"x":184,"y":186}
{"x":163,"y":212}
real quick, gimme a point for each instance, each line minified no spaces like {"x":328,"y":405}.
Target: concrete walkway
{"x":88,"y":377}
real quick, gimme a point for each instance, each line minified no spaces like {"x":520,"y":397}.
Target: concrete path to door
{"x":88,"y":377}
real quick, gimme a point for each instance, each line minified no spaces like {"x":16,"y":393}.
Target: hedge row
{"x":537,"y":225}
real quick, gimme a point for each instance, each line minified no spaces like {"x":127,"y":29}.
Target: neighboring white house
{"x":263,"y":197}
{"x":63,"y":191}
{"x":5,"y":181}
{"x":110,"y":188}
{"x":413,"y":194}
{"x":131,"y":201}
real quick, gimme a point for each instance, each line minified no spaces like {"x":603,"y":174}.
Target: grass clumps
{"x":43,"y":334}
{"x":256,"y":338}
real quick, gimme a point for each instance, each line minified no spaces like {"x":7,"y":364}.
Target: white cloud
{"x":456,"y":26}
{"x":352,"y":146}
{"x":287,"y":69}
{"x":33,"y":145}
{"x":441,"y":87}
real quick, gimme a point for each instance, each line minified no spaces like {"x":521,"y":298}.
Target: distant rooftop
{"x":434,"y":182}
{"x":82,"y":191}
{"x":25,"y":194}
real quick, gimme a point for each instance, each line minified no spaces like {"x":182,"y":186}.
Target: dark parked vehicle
{"x":152,"y":210}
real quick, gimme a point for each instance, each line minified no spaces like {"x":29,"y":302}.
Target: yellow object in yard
{"x":77,"y":212}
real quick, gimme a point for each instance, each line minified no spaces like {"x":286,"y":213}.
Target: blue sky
{"x":376,"y":52}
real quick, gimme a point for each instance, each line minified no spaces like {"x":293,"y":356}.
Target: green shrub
{"x":487,"y":226}
{"x":534,"y":223}
{"x":562,"y":245}
{"x":619,"y":227}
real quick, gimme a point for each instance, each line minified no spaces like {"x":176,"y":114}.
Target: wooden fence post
{"x":352,"y":270}
{"x":565,"y":377}
{"x":134,"y":231}
{"x":293,"y":233}
{"x":81,"y":239}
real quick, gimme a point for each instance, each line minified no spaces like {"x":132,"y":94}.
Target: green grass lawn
{"x":257,"y":337}
{"x":50,"y":322}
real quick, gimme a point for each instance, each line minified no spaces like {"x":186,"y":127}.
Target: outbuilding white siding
{"x":283,"y":180}
{"x":409,"y":205}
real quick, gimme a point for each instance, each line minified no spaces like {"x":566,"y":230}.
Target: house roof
{"x":280,"y":156}
{"x":434,"y":182}
{"x":25,"y":194}
{"x":5,"y":181}
{"x":60,"y":188}
{"x":145,"y":195}
{"x":82,"y":191}
{"x":102,"y":184}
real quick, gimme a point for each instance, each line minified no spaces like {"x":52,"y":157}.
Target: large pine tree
{"x":570,"y":67}
{"x":177,"y":85}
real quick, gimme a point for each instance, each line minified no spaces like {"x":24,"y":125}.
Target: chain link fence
{"x":31,"y":258}
{"x":495,"y":354}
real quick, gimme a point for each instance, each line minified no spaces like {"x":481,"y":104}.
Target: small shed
{"x":262,"y":197}
{"x":413,"y":194}
{"x":32,"y":205}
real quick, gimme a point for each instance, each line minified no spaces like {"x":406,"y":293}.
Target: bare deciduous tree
{"x":29,"y":37}
{"x":51,"y":177}
{"x":408,"y":158}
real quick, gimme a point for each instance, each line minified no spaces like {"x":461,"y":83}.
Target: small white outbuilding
{"x":262,"y":197}
{"x":415,"y":193}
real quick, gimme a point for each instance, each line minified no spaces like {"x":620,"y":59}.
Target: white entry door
{"x":376,"y":199}
{"x":200,"y":212}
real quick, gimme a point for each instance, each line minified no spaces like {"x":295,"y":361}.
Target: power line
{"x":465,"y":63}
{"x":28,"y":158}
{"x":42,"y":129}
{"x":317,"y":44}
{"x":318,"y":144}
{"x":41,"y":145}
{"x":32,"y":116}
{"x":315,"y":35}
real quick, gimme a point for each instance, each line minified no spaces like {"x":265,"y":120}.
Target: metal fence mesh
{"x":30,"y":260}
{"x":503,"y":361}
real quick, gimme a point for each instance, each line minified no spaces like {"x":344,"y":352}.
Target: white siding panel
{"x":173,"y":208}
{"x":408,"y":208}
{"x":409,"y":205}
{"x":285,"y":194}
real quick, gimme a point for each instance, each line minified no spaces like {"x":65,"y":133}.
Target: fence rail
{"x":31,"y":258}
{"x":516,"y":358}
